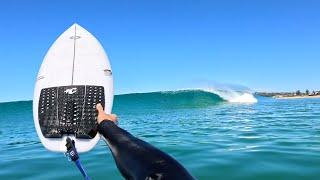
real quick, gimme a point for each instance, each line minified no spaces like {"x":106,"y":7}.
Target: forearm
{"x":118,"y":139}
{"x":137,"y":159}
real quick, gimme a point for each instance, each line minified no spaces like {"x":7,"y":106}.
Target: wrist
{"x":107,"y":120}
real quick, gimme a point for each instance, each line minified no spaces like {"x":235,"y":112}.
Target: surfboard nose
{"x":74,"y":24}
{"x":75,"y":28}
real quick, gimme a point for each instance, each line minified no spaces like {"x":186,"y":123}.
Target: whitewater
{"x":233,"y":96}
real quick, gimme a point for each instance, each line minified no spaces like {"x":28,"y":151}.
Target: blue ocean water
{"x":211,"y":137}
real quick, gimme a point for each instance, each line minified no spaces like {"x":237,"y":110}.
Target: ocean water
{"x":211,"y":137}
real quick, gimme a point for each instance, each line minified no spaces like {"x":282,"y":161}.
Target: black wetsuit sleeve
{"x":137,"y":159}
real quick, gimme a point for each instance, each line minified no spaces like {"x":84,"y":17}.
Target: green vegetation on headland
{"x":289,"y":95}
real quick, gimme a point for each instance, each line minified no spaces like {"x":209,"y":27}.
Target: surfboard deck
{"x":75,"y":75}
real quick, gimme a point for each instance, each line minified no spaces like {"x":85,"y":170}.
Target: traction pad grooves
{"x":69,"y":110}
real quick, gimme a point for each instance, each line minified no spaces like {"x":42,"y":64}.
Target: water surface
{"x":212,"y":138}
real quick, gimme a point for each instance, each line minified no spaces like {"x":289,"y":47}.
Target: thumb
{"x":99,"y":108}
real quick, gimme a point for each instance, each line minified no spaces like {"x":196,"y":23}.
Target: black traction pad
{"x":69,"y":110}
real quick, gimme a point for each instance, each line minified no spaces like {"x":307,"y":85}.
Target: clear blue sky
{"x":165,"y":44}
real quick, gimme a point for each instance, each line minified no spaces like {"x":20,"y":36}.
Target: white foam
{"x":232,"y":95}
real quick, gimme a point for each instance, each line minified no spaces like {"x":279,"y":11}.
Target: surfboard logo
{"x":70,"y":91}
{"x":75,"y":37}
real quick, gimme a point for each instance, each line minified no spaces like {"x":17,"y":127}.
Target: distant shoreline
{"x":296,"y":97}
{"x":291,"y":95}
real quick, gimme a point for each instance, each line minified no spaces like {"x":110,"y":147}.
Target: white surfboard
{"x":74,"y":74}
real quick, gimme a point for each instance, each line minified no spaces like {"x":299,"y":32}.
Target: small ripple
{"x":245,"y":148}
{"x":23,"y":143}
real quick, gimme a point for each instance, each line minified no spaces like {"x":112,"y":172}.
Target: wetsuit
{"x":137,"y":159}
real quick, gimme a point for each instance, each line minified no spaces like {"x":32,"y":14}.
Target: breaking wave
{"x":184,"y":98}
{"x":234,"y":96}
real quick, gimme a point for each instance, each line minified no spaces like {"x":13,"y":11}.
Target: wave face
{"x":183,"y":98}
{"x":170,"y":99}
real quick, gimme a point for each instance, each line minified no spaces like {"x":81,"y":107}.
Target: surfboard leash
{"x":72,"y":155}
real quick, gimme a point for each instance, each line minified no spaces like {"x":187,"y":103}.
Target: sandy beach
{"x":296,"y":97}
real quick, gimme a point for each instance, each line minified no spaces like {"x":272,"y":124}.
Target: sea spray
{"x":233,"y":96}
{"x":233,"y":93}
